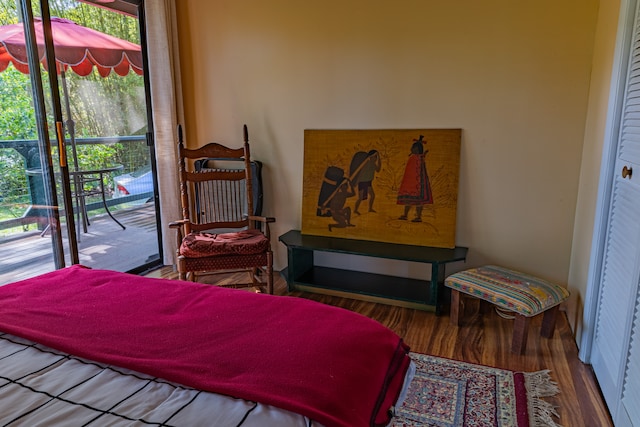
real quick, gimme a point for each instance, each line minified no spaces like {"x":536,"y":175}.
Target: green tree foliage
{"x":17,"y":120}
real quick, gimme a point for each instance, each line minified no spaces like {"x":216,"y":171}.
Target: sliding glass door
{"x":76,"y":142}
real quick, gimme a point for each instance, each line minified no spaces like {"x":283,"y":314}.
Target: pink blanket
{"x":334,"y":366}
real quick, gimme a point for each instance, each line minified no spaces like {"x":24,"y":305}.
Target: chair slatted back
{"x":222,"y":199}
{"x":216,"y":198}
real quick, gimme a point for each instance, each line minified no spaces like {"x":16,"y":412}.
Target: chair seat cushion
{"x":508,"y":289}
{"x":246,"y":242}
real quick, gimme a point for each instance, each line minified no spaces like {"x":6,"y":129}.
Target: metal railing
{"x":22,"y":201}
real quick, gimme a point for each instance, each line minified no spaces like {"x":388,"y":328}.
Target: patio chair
{"x":218,"y":232}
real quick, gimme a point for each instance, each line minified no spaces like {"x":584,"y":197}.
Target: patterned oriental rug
{"x":449,"y":393}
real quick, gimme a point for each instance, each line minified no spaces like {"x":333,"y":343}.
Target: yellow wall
{"x":591,"y":157}
{"x":515,"y":76}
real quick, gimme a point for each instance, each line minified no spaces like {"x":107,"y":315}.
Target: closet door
{"x":630,"y":411}
{"x":615,"y":365}
{"x":618,"y":292}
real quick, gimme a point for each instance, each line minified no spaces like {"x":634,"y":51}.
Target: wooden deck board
{"x":105,"y":246}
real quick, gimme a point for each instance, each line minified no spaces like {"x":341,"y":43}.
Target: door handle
{"x":626,"y":172}
{"x":62,"y":151}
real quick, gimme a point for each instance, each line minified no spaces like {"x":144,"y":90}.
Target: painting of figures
{"x":395,"y":186}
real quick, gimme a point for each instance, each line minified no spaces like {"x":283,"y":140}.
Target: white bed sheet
{"x":40,"y":386}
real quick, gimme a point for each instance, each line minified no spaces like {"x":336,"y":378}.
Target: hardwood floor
{"x":486,"y":339}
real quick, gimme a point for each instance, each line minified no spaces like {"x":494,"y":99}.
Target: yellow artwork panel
{"x":395,"y":186}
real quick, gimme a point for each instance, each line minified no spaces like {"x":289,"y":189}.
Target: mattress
{"x":40,"y":386}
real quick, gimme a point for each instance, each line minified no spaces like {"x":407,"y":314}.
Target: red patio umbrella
{"x":76,"y":47}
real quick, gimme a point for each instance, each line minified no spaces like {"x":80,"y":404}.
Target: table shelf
{"x":302,"y":274}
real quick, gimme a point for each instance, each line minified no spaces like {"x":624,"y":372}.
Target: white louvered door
{"x":631,"y":388}
{"x":616,"y":344}
{"x":618,"y":295}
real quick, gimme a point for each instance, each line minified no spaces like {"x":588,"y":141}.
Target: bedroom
{"x":527,"y":84}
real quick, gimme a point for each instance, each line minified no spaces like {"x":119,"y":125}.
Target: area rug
{"x":449,"y":393}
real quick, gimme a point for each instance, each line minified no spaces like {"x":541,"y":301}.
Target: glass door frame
{"x":139,"y":4}
{"x":44,"y":145}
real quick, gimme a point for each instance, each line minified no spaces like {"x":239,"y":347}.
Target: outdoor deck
{"x":105,"y":245}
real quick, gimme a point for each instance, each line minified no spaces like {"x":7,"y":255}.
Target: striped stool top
{"x":508,"y":289}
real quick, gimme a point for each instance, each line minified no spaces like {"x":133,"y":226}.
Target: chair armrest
{"x":178,"y":224}
{"x":179,"y":227}
{"x":263,"y":220}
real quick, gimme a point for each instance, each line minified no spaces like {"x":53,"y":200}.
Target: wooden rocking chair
{"x":219,"y":232}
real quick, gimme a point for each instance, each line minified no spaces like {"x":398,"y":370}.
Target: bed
{"x":94,"y":347}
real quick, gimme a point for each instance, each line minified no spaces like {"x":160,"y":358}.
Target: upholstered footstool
{"x":523,"y":295}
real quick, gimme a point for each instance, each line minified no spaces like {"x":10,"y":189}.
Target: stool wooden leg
{"x":520,"y":333}
{"x":549,"y":322}
{"x":455,"y":315}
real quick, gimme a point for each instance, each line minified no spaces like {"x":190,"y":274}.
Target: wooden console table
{"x":302,"y":274}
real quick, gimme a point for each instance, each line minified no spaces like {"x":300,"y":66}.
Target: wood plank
{"x":105,"y":246}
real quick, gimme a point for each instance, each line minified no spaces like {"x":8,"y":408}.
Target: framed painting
{"x":395,"y":186}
